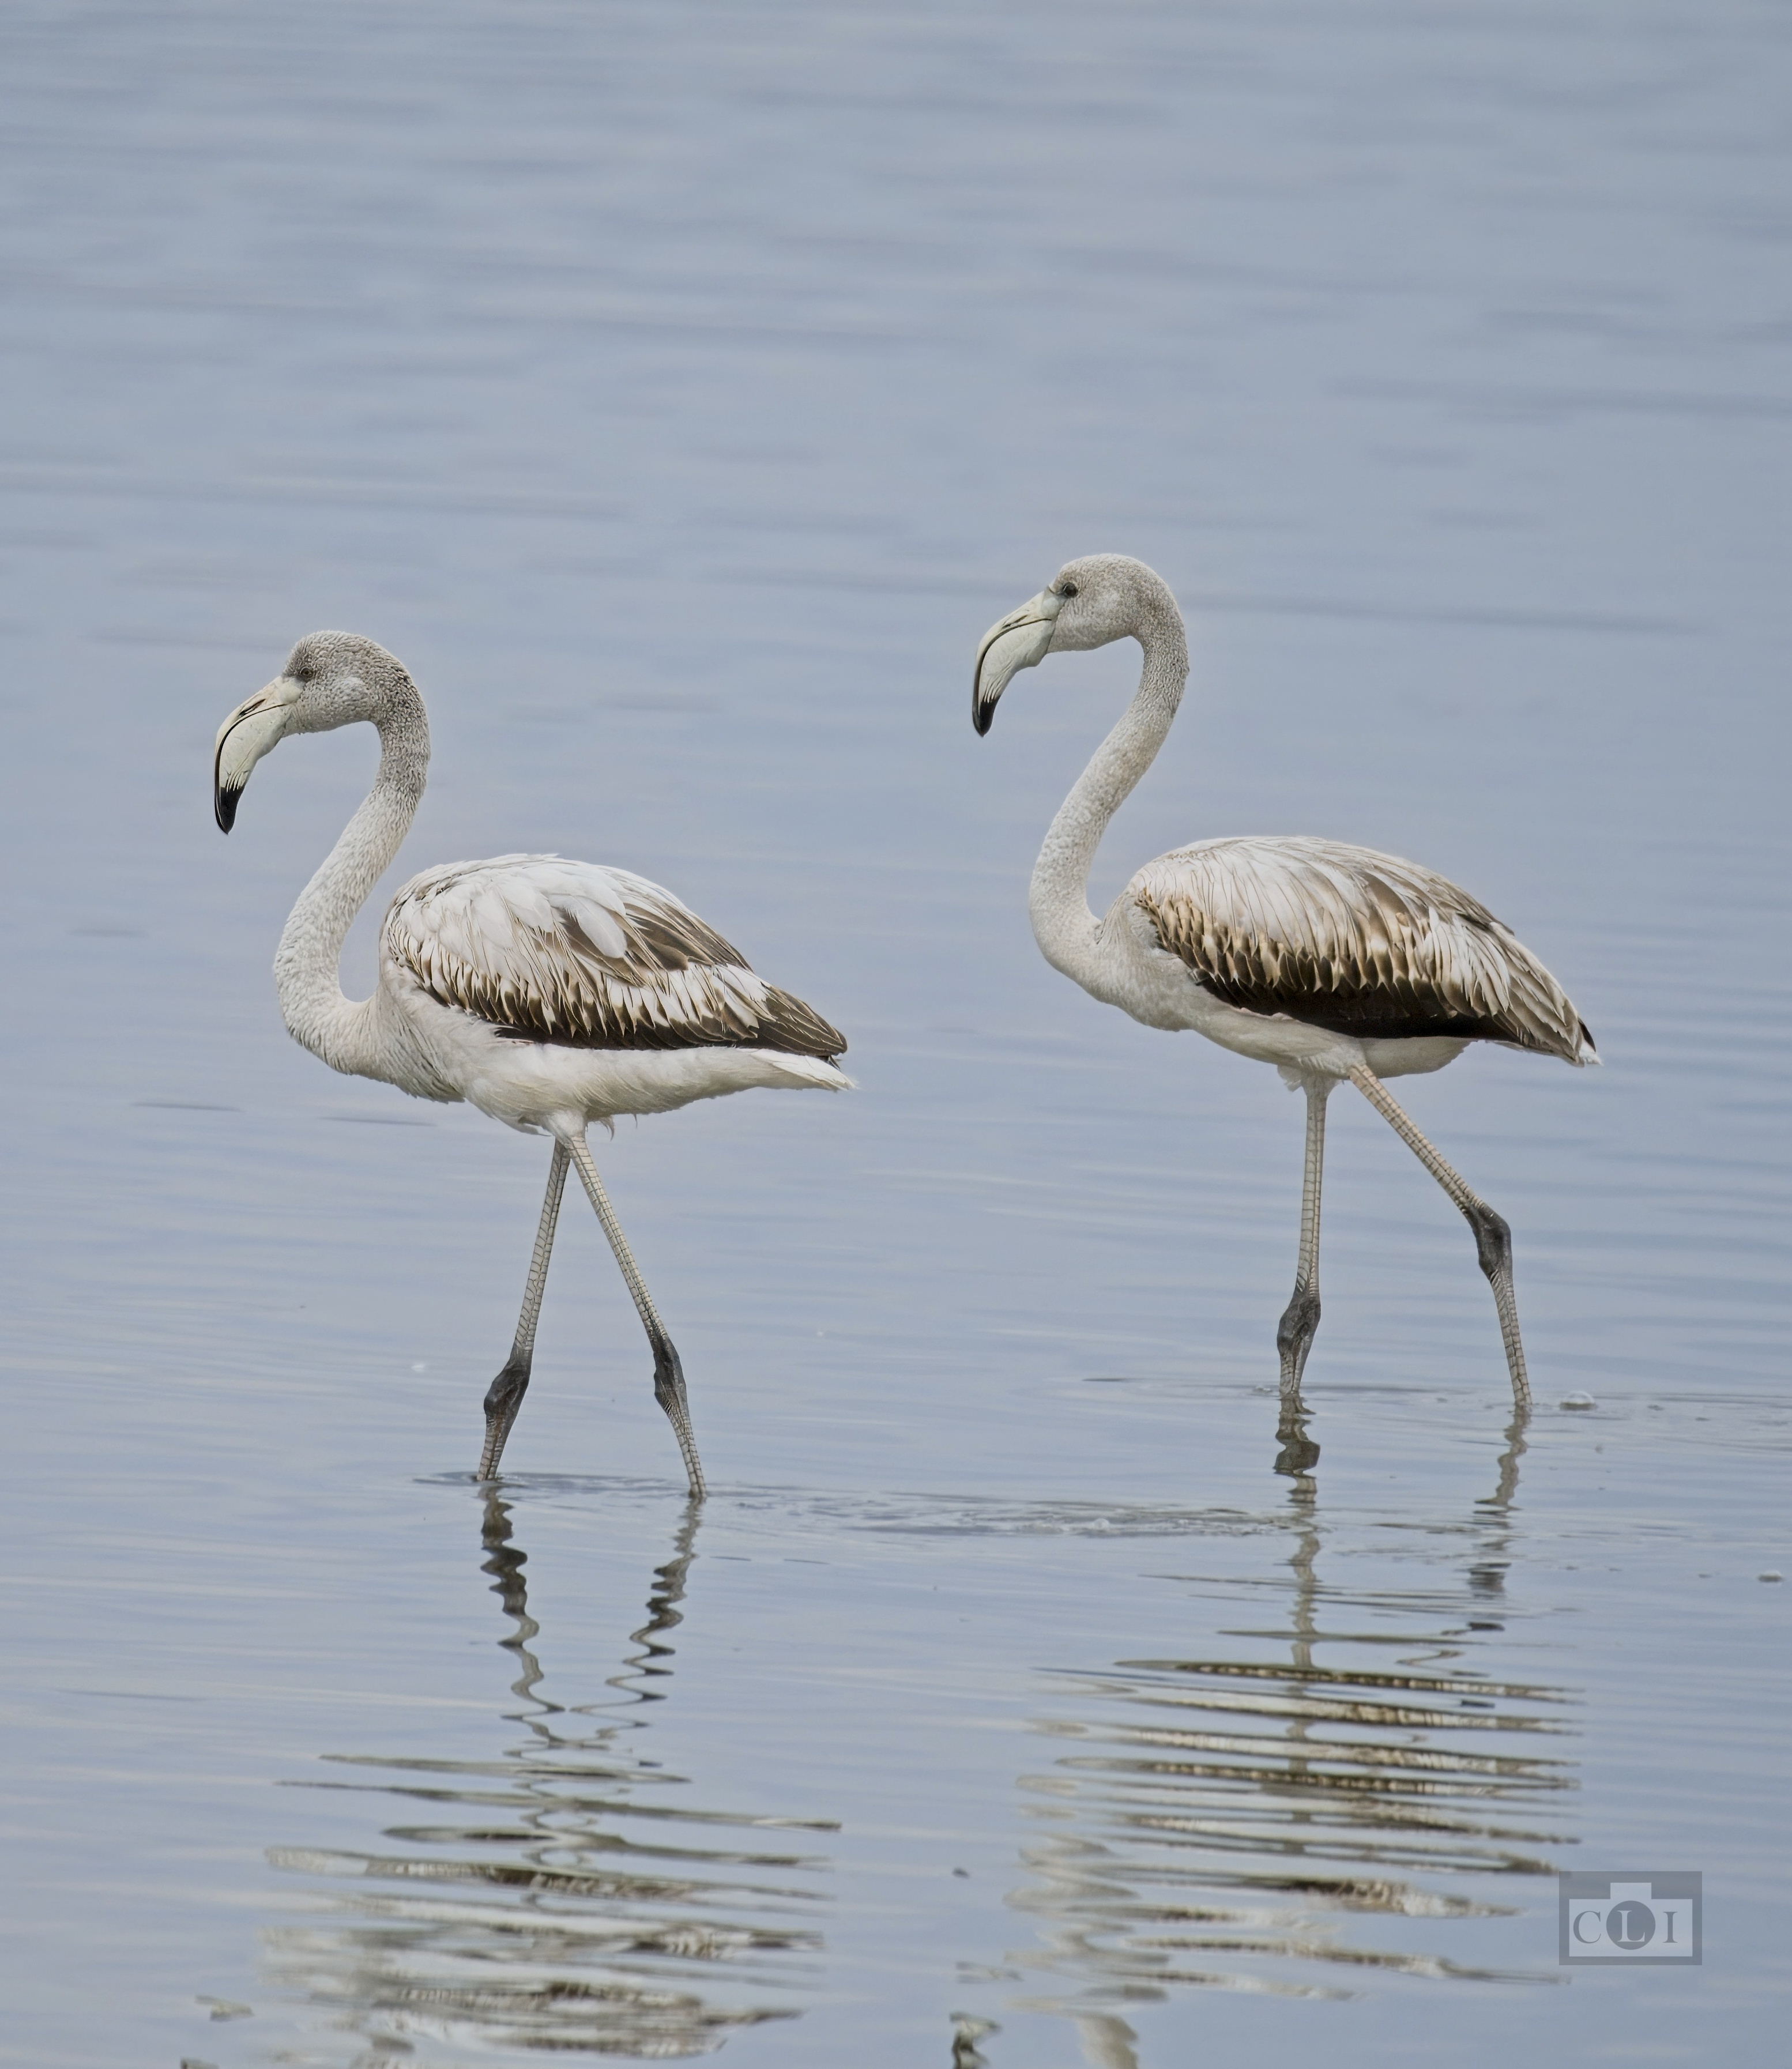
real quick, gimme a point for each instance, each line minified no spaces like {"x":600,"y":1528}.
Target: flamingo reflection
{"x":1296,"y":1821}
{"x":555,"y":1902}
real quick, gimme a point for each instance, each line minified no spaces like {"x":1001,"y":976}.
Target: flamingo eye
{"x":1067,"y":589}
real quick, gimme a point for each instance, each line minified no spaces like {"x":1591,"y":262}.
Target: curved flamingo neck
{"x":306,"y":965}
{"x":1066,"y":931}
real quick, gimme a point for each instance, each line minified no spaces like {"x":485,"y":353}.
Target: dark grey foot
{"x":668,"y":1390}
{"x":1294,"y":1337}
{"x":503,"y":1397}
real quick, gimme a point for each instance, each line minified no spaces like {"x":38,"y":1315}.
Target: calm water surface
{"x":680,"y":390}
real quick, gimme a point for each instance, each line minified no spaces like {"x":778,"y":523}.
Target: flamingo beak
{"x":1021,"y":640}
{"x":250,"y":731}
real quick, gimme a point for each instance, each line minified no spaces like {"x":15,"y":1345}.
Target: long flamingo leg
{"x":1300,"y":1322}
{"x":504,"y":1397}
{"x":668,"y":1374}
{"x":1492,"y":1235}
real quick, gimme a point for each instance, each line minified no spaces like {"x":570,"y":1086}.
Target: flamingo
{"x":548,"y":993}
{"x":1329,"y":962}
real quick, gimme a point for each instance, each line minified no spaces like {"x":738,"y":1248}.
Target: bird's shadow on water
{"x":1335,"y":1802}
{"x":553,"y":1901}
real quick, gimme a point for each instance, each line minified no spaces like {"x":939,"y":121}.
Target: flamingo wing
{"x":575,"y":954}
{"x":1359,"y":943}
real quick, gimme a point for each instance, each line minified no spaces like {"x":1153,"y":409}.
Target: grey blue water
{"x":680,"y":389}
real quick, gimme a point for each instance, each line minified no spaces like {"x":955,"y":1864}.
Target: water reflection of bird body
{"x":1291,"y":1825}
{"x":1329,"y":962}
{"x":553,"y":1902}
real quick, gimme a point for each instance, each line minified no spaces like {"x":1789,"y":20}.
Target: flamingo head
{"x":1088,"y":602}
{"x":330,"y":679}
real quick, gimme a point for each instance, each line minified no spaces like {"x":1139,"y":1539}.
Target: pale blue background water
{"x":680,"y":389}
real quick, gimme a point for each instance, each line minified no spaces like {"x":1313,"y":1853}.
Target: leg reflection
{"x":1505,"y":1491}
{"x":654,"y":1661}
{"x":560,"y":1898}
{"x":506,"y":1562}
{"x":1487,"y":1574}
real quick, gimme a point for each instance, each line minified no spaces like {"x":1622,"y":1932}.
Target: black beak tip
{"x":224,"y":805}
{"x":983,"y":717}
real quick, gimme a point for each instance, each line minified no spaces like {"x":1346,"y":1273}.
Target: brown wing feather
{"x":1360,"y":943}
{"x":567,"y":953}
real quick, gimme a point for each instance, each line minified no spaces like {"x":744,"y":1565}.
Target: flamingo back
{"x":586,"y":956}
{"x":1356,"y":942}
